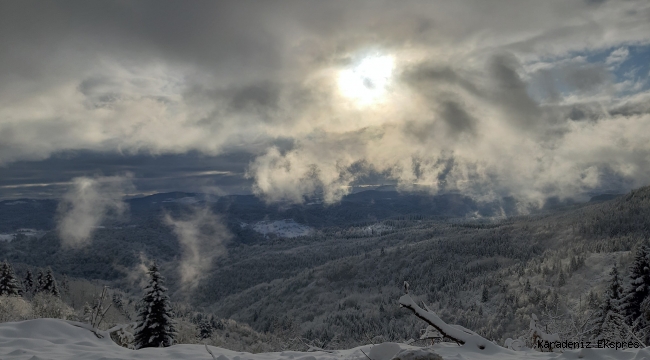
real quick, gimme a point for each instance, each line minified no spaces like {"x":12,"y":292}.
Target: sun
{"x":367,"y":81}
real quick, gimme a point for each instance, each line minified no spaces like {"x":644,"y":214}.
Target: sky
{"x":293,"y":99}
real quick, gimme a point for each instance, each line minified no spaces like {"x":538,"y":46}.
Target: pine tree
{"x":205,"y":329}
{"x":40,"y":282}
{"x":28,"y":283}
{"x":609,"y":322}
{"x":9,"y":286}
{"x":155,"y":324}
{"x":485,"y":296}
{"x":49,"y":284}
{"x":637,"y":290}
{"x":65,"y":285}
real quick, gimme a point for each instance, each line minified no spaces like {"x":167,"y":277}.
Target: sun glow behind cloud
{"x":367,"y":82}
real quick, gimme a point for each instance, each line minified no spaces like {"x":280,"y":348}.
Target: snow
{"x":7,"y":237}
{"x":286,"y":228}
{"x":59,"y":339}
{"x":184,"y":200}
{"x":15,"y":202}
{"x":26,"y":232}
{"x":376,"y":229}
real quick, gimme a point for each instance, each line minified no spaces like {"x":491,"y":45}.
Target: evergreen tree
{"x":609,"y":322}
{"x":40,"y":282}
{"x":485,"y":296}
{"x":155,"y":324}
{"x":637,"y":290}
{"x":65,"y":285}
{"x":49,"y":284}
{"x":205,"y":329}
{"x":28,"y":283}
{"x":9,"y":286}
{"x":117,"y":300}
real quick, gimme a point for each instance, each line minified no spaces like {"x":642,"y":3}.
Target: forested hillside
{"x":340,"y":285}
{"x":487,"y":276}
{"x":120,"y":242}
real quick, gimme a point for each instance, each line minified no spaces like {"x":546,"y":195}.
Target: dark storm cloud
{"x":457,"y":118}
{"x":260,"y":96}
{"x":206,"y":32}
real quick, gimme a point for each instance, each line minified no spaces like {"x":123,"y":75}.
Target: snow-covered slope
{"x":58,"y":339}
{"x":286,"y":228}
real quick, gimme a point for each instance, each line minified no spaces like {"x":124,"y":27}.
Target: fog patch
{"x":87,"y":203}
{"x":202,"y":236}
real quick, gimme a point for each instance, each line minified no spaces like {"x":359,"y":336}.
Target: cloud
{"x":489,"y":100}
{"x":87,"y":203}
{"x":202,"y":236}
{"x":617,"y":56}
{"x":482,"y":135}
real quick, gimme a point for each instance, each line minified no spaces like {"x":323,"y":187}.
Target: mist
{"x":202,"y":236}
{"x":89,"y":202}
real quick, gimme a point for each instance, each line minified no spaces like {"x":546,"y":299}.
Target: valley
{"x":340,"y":283}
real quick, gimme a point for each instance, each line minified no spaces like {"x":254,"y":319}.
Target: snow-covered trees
{"x":49,"y":284}
{"x":485,"y":296}
{"x":609,"y":322}
{"x":46,"y":305}
{"x":28,"y":283}
{"x":9,"y":286}
{"x":636,"y":292}
{"x":538,"y":338}
{"x":40,"y":282}
{"x":155,"y":326}
{"x":205,"y":329}
{"x":95,"y":313}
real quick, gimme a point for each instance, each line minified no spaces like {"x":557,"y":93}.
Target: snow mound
{"x":58,"y":339}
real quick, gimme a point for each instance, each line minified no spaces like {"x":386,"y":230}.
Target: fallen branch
{"x":457,"y":333}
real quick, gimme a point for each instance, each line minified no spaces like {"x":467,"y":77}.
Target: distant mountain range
{"x":359,"y":207}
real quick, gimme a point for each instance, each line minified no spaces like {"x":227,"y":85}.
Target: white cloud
{"x":617,"y":56}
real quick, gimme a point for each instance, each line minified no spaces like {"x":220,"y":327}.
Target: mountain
{"x":356,"y":208}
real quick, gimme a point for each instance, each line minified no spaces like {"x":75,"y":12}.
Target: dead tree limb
{"x":457,"y":333}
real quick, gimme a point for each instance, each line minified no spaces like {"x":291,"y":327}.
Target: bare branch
{"x":365,"y":354}
{"x":210,"y":352}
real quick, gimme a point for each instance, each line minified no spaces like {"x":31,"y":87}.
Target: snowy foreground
{"x":58,"y":339}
